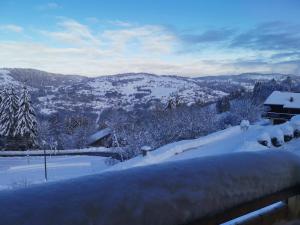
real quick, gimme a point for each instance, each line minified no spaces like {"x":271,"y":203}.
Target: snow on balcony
{"x":167,"y":193}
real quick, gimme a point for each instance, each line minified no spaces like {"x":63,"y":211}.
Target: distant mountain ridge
{"x":56,"y":92}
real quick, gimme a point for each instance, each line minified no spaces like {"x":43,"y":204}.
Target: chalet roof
{"x":286,"y":99}
{"x":99,"y":135}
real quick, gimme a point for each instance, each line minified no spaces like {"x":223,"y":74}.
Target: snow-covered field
{"x":24,"y":171}
{"x":19,"y":172}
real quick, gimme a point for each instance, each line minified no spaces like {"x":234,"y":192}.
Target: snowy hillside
{"x":226,"y":141}
{"x":23,"y":171}
{"x":55,"y":93}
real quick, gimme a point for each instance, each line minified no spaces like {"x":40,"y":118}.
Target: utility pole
{"x":45,"y":165}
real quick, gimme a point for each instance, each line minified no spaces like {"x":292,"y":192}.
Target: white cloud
{"x":121,"y":49}
{"x":11,"y":28}
{"x":120,"y":23}
{"x":149,"y":38}
{"x":73,"y":33}
{"x":49,"y":6}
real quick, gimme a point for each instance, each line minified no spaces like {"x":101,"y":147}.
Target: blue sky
{"x":183,"y":37}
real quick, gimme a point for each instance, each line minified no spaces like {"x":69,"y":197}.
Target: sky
{"x":169,"y":37}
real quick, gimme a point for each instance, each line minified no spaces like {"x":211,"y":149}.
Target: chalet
{"x":282,"y":106}
{"x":102,"y":138}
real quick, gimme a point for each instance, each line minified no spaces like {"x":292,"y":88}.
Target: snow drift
{"x":167,"y":193}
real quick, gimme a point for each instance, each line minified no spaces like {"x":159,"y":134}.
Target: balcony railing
{"x":207,"y":190}
{"x":275,"y":115}
{"x":287,"y":210}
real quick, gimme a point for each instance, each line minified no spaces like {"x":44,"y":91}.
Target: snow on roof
{"x":287,"y":99}
{"x":98,"y":135}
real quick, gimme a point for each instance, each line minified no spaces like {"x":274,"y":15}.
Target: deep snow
{"x":17,"y":172}
{"x":167,"y":193}
{"x":230,"y":140}
{"x":20,"y":172}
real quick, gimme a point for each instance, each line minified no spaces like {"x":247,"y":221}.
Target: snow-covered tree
{"x":26,"y":125}
{"x":8,"y":113}
{"x":1,"y":96}
{"x":223,"y":105}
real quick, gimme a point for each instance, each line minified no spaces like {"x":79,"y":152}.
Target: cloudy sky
{"x":182,"y":37}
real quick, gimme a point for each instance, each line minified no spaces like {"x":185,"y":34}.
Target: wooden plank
{"x":294,"y":206}
{"x":247,"y":207}
{"x":268,"y":218}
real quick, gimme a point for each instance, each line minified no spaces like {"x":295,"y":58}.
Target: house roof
{"x":99,"y":135}
{"x":286,"y":99}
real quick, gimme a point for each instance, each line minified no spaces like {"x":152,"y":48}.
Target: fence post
{"x":145,"y":150}
{"x":45,"y":166}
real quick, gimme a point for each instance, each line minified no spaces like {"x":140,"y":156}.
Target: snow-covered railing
{"x":171,"y":193}
{"x":282,"y":205}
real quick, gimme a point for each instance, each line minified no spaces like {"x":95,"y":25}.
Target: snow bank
{"x":287,"y":130}
{"x":176,"y":148}
{"x":281,"y":133}
{"x":163,"y":194}
{"x":295,"y":122}
{"x":18,"y":172}
{"x":265,"y":139}
{"x":277,"y":136}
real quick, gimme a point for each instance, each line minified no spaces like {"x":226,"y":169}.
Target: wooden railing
{"x":200,"y":191}
{"x":275,"y":115}
{"x":290,"y":208}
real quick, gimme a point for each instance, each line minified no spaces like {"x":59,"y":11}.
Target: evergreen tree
{"x":287,"y":84}
{"x":223,"y":105}
{"x":1,"y":96}
{"x":8,"y":112}
{"x":26,"y":121}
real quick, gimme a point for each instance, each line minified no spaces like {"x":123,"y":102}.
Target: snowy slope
{"x":6,"y":79}
{"x":226,"y":141}
{"x":20,"y":172}
{"x":53,"y":92}
{"x":56,"y":93}
{"x":231,"y":140}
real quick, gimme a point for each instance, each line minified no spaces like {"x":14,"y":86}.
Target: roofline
{"x":273,"y":104}
{"x":282,"y":106}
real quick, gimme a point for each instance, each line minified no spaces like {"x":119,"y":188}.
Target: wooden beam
{"x":246,"y":208}
{"x":277,"y":214}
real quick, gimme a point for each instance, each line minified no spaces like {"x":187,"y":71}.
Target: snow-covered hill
{"x":56,"y":93}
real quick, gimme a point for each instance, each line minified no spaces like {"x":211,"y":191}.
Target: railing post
{"x":294,"y":206}
{"x":145,"y":150}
